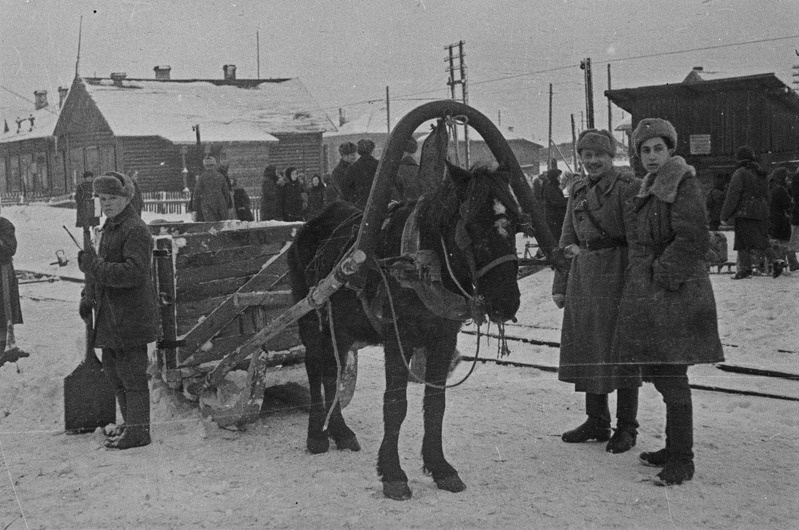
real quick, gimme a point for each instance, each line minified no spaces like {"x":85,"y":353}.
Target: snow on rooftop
{"x":224,"y":112}
{"x":44,"y":121}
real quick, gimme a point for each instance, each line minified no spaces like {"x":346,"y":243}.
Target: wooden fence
{"x":177,"y":202}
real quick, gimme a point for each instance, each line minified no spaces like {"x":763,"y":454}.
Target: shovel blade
{"x":89,"y":400}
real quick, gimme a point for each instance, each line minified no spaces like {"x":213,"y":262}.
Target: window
{"x":3,"y":175}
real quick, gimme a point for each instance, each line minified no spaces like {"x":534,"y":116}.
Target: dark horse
{"x":439,"y":262}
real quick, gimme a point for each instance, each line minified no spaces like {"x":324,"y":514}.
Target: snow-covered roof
{"x":44,"y":121}
{"x":373,"y":121}
{"x":475,"y":136}
{"x":225,"y":112}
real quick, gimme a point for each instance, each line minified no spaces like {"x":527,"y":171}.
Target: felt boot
{"x":115,"y":431}
{"x":137,"y":427}
{"x":626,"y":432}
{"x":679,"y":465}
{"x":597,"y":426}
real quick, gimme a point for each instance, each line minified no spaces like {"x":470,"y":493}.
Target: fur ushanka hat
{"x":113,"y":183}
{"x":209,"y":162}
{"x":597,"y":140}
{"x":654,"y":128}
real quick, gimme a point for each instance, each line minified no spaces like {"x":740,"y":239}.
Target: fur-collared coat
{"x":119,"y":283}
{"x":593,"y":286}
{"x":668,"y":312}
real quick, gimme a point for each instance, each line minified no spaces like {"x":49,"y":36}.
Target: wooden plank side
{"x":267,"y":278}
{"x":225,"y":256}
{"x":278,"y":228}
{"x":214,"y":241}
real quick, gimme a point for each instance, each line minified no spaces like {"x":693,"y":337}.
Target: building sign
{"x":700,"y":144}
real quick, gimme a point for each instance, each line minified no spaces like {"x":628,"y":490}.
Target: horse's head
{"x":479,"y":217}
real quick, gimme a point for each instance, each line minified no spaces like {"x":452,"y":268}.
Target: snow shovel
{"x":89,"y":400}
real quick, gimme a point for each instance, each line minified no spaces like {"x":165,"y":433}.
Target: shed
{"x":713,"y":117}
{"x":160,"y":126}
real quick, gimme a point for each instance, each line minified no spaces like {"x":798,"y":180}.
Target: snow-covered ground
{"x":502,"y":432}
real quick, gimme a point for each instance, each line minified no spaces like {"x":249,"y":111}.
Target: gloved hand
{"x":85,"y":308}
{"x":85,"y":259}
{"x":560,"y":300}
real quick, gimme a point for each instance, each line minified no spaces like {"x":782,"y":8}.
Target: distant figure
{"x":211,"y":194}
{"x":747,"y":205}
{"x":291,"y":196}
{"x":241,"y":202}
{"x":554,"y":201}
{"x":270,"y":203}
{"x":138,"y":200}
{"x":348,"y":152}
{"x":780,"y":221}
{"x":793,"y":245}
{"x":224,"y":169}
{"x":407,"y":186}
{"x":715,"y":200}
{"x":357,"y":182}
{"x":83,"y":193}
{"x":316,"y":197}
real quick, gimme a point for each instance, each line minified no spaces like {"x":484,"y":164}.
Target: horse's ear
{"x":458,"y":175}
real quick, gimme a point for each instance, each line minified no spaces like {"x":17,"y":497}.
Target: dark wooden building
{"x":162,"y":128}
{"x":713,"y":117}
{"x":29,"y":160}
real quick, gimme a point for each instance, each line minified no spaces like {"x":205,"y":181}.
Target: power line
{"x":576,"y":65}
{"x":26,"y":99}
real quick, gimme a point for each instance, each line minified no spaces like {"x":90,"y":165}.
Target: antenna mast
{"x":80,"y":32}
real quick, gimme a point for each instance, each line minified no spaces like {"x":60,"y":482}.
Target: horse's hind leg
{"x":395,"y":408}
{"x":437,"y":368}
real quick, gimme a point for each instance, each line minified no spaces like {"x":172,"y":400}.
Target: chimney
{"x":62,"y":95}
{"x":118,"y":77}
{"x":162,"y":72}
{"x":699,"y":69}
{"x":230,"y":72}
{"x":342,"y":118}
{"x":41,"y":99}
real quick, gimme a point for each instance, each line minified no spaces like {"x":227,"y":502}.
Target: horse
{"x":440,"y":261}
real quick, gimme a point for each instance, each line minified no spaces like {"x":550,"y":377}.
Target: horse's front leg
{"x":395,"y":408}
{"x":439,"y":355}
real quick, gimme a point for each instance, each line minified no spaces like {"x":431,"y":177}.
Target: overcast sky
{"x":347,"y":52}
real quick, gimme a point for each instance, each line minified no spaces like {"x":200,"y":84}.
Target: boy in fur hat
{"x":594,"y":233}
{"x":667,"y":316}
{"x":120,"y":292}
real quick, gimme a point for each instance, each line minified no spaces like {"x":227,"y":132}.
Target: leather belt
{"x":596,"y":244}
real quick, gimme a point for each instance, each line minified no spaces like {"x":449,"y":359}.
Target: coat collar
{"x":113,"y":222}
{"x":604,"y":186}
{"x":665,"y":182}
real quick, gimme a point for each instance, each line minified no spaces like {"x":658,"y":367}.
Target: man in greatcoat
{"x":348,"y":152}
{"x":594,"y":233}
{"x":84,"y":192}
{"x":120,"y":292}
{"x":357,"y":181}
{"x":211,"y":197}
{"x":747,"y":203}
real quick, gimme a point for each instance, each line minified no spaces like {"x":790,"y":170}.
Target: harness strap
{"x":502,"y":259}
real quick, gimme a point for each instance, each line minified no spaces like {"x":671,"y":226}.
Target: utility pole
{"x":574,"y":145}
{"x":795,"y":75}
{"x":80,"y":33}
{"x":258,"y":54}
{"x":610,"y":114}
{"x":585,"y":65}
{"x":549,"y":149}
{"x":457,"y":76}
{"x":388,"y":113}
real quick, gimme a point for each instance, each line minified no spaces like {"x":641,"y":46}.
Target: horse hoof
{"x":399,"y":491}
{"x":317,"y":445}
{"x":350,"y":443}
{"x":451,"y":483}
